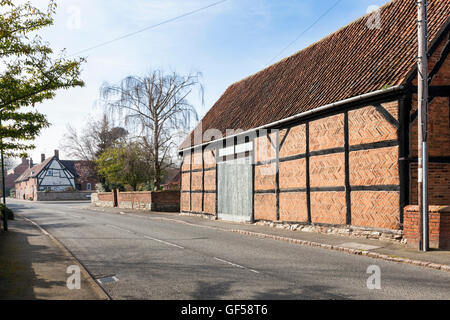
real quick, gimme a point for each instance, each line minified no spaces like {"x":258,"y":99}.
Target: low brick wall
{"x":439,"y":226}
{"x":167,"y":200}
{"x":135,"y":200}
{"x":103,"y":199}
{"x":63,"y":196}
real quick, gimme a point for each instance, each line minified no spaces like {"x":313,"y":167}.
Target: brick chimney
{"x":57,"y":154}
{"x":31,"y":163}
{"x":25,"y":160}
{"x":42,"y":157}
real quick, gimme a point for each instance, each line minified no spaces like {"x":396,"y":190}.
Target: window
{"x":50,"y":172}
{"x":88,"y":186}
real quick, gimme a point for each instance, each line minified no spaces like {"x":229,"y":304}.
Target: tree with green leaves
{"x":31,"y":73}
{"x":124,"y":165}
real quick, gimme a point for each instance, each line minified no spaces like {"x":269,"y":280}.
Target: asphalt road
{"x":160,"y":259}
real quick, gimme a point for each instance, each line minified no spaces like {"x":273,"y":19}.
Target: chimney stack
{"x":31,"y":163}
{"x":57,"y":154}
{"x":24,"y":160}
{"x":42,"y":157}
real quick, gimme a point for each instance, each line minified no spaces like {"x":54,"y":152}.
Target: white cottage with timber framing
{"x":50,"y":175}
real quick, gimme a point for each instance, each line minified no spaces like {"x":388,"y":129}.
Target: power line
{"x":149,"y":27}
{"x":306,"y":30}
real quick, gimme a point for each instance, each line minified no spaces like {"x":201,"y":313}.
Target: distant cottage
{"x":328,"y":135}
{"x":55,"y":175}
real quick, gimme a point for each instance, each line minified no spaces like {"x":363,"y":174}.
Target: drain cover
{"x":110,"y":279}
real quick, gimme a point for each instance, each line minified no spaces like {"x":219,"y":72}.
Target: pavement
{"x":33,"y":266}
{"x":141,"y":255}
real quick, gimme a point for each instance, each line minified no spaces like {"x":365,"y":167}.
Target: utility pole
{"x":422,"y":96}
{"x":5,"y":218}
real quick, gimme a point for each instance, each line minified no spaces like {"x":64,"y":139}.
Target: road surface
{"x":146,"y":257}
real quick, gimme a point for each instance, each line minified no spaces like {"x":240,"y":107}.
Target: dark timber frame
{"x":405,"y":119}
{"x":346,"y":149}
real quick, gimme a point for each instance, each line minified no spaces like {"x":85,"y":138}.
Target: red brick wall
{"x":165,"y":197}
{"x":134,"y":197}
{"x":438,"y":140}
{"x":374,"y":168}
{"x":26,"y":190}
{"x":202,"y":177}
{"x":439,"y":226}
{"x":105,"y":196}
{"x":142,"y":200}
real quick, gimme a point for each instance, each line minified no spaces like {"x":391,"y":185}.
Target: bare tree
{"x":157,"y":105}
{"x":96,"y":137}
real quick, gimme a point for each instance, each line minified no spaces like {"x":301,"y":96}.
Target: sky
{"x":226,"y":43}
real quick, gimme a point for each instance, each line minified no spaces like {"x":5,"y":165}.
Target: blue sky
{"x":226,"y":43}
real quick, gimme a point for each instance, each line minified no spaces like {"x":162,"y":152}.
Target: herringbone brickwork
{"x":185,"y":202}
{"x":367,"y":125}
{"x":375,"y":209}
{"x":265,"y":177}
{"x":265,"y":207}
{"x":295,"y":141}
{"x":197,"y":181}
{"x":185,"y":181}
{"x":196,"y":202}
{"x":374,"y":167}
{"x":293,"y":174}
{"x":264,"y":149}
{"x":328,"y":170}
{"x":293,"y":207}
{"x":210,"y":203}
{"x":326,"y":133}
{"x":328,"y":207}
{"x":210,"y":180}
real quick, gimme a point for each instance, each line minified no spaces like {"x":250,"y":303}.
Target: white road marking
{"x":147,"y":237}
{"x":118,"y":228}
{"x":165,"y":242}
{"x":235,"y":265}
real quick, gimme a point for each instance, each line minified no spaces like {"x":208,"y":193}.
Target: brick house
{"x":328,"y":135}
{"x":55,"y":175}
{"x":13,"y":174}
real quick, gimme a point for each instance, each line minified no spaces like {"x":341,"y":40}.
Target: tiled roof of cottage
{"x":351,"y":61}
{"x":34,"y":171}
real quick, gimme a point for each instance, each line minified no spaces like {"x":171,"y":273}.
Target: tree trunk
{"x":157,"y":167}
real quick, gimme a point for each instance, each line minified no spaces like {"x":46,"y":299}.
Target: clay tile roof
{"x":351,"y":61}
{"x":34,"y":171}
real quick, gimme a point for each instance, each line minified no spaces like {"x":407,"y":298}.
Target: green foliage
{"x":148,"y":186}
{"x":9,"y":213}
{"x":29,"y":75}
{"x":124,"y":165}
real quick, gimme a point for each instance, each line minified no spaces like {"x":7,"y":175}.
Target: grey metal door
{"x":235,"y":185}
